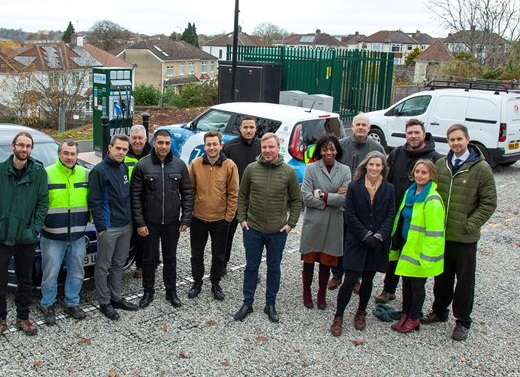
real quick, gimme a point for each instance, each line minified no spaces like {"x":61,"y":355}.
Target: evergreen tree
{"x":190,"y":35}
{"x":68,"y":33}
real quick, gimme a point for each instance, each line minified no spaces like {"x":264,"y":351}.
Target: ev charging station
{"x":112,"y":100}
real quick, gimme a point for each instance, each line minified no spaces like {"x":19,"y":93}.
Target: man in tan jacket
{"x":214,"y":183}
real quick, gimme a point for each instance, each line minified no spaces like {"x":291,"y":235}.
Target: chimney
{"x":318,"y":31}
{"x":356,"y":33}
{"x":79,"y":40}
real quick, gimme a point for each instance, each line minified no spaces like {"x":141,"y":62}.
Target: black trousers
{"x":168,"y":235}
{"x":24,"y":259}
{"x":414,"y":294}
{"x":229,"y":241}
{"x":345,"y":292}
{"x":199,"y":232}
{"x":391,"y":279}
{"x":460,"y":261}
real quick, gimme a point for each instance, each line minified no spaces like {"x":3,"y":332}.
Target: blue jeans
{"x":54,"y":253}
{"x":254,"y":243}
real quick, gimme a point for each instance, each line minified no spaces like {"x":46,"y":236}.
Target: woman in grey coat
{"x":323,"y":190}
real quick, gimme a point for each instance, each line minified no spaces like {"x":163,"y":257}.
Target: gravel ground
{"x":201,"y":338}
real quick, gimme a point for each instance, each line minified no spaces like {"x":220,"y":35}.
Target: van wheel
{"x":377,"y":135}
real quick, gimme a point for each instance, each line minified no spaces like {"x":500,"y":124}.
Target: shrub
{"x":146,"y":95}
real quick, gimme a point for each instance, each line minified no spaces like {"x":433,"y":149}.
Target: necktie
{"x":457,"y":163}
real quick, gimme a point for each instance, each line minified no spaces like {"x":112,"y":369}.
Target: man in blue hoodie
{"x":109,"y":204}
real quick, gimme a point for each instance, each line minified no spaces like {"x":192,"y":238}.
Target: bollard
{"x":105,"y":136}
{"x":146,"y":122}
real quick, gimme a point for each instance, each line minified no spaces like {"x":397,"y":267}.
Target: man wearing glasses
{"x":23,"y":206}
{"x":64,"y":231}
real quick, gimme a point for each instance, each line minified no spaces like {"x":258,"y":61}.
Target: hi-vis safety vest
{"x":68,"y":213}
{"x":423,"y":253}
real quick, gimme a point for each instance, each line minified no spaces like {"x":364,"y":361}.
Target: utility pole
{"x":234,"y":58}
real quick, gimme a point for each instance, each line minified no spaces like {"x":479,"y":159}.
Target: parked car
{"x":489,"y":110}
{"x":297,"y":127}
{"x":46,"y":151}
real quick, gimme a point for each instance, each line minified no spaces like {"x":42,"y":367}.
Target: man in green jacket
{"x":467,"y":187}
{"x":23,"y":206}
{"x":269,"y":190}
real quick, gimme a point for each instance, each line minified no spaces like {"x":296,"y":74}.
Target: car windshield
{"x":47,"y":153}
{"x":213,"y":120}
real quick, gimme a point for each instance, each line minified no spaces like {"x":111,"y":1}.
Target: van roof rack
{"x":480,"y":85}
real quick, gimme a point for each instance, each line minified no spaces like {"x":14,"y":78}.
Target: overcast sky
{"x":337,"y":17}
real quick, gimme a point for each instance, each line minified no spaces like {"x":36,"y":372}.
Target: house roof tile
{"x":243,"y":40}
{"x":168,"y":50}
{"x":390,"y":36}
{"x":436,"y":52}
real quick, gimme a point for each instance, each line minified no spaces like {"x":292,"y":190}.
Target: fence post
{"x":146,"y":122}
{"x":105,"y":135}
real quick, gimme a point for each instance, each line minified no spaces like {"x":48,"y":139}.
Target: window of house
{"x":397,"y":48}
{"x":204,"y":67}
{"x":181,"y":69}
{"x":410,"y":47}
{"x":378,"y":47}
{"x":169,"y":71}
{"x":212,"y":67}
{"x":191,"y":68}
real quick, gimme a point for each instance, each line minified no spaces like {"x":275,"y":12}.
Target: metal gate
{"x":357,"y":80}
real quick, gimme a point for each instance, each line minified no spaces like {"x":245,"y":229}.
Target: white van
{"x":297,"y":127}
{"x":489,"y":110}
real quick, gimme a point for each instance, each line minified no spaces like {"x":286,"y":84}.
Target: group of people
{"x":413,"y":214}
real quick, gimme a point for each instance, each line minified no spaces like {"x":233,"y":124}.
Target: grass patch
{"x":77,"y":133}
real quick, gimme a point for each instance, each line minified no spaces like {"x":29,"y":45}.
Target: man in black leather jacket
{"x":162,"y":208}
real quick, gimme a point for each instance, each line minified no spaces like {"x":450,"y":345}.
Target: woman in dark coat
{"x":369,"y":215}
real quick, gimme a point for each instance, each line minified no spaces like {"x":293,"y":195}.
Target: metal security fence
{"x":357,"y":80}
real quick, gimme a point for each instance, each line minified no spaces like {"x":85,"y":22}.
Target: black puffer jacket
{"x":401,"y":162}
{"x":160,"y":191}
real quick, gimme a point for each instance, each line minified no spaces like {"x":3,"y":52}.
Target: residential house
{"x":424,"y":39}
{"x":352,"y":40}
{"x":168,"y":63}
{"x":58,"y":75}
{"x":429,"y":60}
{"x":486,"y":47}
{"x":396,"y":41}
{"x":218,"y":46}
{"x":317,"y":39}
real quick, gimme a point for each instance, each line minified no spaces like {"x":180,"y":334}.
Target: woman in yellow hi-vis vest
{"x":419,"y":235}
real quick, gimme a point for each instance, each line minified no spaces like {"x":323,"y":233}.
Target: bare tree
{"x":487,"y":27}
{"x":270,"y":32}
{"x":108,"y":35}
{"x":37,"y":97}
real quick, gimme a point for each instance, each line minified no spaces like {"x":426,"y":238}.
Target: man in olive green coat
{"x":467,"y":187}
{"x":268,"y":191}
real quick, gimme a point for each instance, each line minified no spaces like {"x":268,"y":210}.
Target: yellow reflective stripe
{"x":64,"y":230}
{"x":428,"y":233}
{"x":52,"y":211}
{"x":428,"y":258}
{"x":410,"y":259}
{"x":432,"y":197}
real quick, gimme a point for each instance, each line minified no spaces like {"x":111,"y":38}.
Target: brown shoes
{"x":360,"y":320}
{"x":384,"y":297}
{"x":337,"y":326}
{"x":27,"y":326}
{"x":138,"y":273}
{"x":334,"y":283}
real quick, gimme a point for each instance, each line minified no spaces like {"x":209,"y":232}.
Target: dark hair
{"x":23,"y":133}
{"x":247,"y":117}
{"x":164,"y":133}
{"x":414,"y":122}
{"x":457,"y":127}
{"x":322,"y":142}
{"x":213,"y":134}
{"x":122,"y":137}
{"x":68,"y":143}
{"x":362,"y":167}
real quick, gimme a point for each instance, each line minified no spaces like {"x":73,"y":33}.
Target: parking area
{"x":201,"y":337}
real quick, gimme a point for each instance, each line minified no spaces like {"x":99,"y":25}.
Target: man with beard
{"x":23,"y":206}
{"x":419,"y":145}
